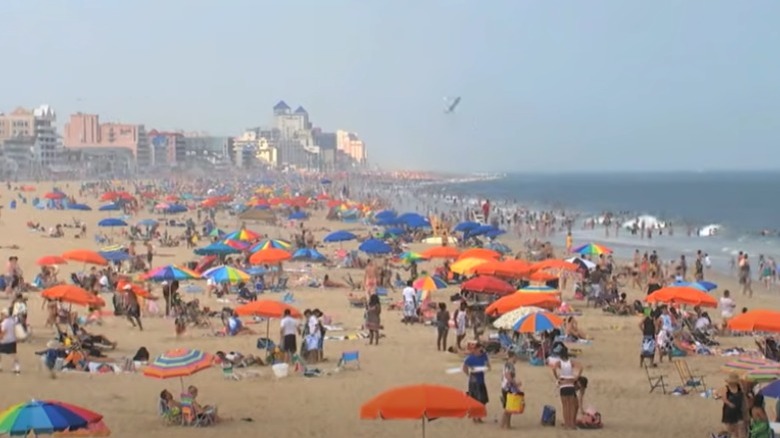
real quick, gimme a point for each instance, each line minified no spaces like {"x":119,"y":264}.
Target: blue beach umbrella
{"x":218,"y":249}
{"x":309,"y":254}
{"x":297,"y":216}
{"x":375,"y":246}
{"x":148,"y":223}
{"x":466,"y":226}
{"x":109,"y":207}
{"x":339,"y":236}
{"x":704,"y":286}
{"x":114,"y":256}
{"x":79,"y":207}
{"x":112,"y":222}
{"x":385,"y":215}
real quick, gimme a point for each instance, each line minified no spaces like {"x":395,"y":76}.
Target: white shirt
{"x":727,"y":307}
{"x":409,"y":294}
{"x":702,"y":323}
{"x":103,"y":281}
{"x":314,"y":327}
{"x":9,"y":335}
{"x":289,"y":326}
{"x":460,"y":322}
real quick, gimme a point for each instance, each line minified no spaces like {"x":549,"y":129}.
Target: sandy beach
{"x":327,"y":406}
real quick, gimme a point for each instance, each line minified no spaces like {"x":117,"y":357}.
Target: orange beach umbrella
{"x":421,"y":402}
{"x":441,"y":252}
{"x":758,"y":320}
{"x":682,"y":295}
{"x":520,"y":299}
{"x":267,"y":309}
{"x":480,"y":253}
{"x":85,"y":256}
{"x":269,"y":255}
{"x":72,"y":294}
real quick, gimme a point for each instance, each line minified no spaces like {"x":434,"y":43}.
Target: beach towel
{"x":349,"y":337}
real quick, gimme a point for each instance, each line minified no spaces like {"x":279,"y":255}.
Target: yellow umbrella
{"x":466,"y":265}
{"x":508,"y":320}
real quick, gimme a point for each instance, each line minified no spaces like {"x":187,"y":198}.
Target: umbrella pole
{"x":181,"y":381}
{"x":423,"y":426}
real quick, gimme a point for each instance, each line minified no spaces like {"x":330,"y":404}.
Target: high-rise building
{"x":84,"y":131}
{"x":352,"y":146}
{"x":38,"y":127}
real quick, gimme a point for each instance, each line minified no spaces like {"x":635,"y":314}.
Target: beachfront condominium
{"x":352,"y":146}
{"x":29,"y":139}
{"x":86,"y":132}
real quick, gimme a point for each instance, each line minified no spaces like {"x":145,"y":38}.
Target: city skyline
{"x":608,"y":85}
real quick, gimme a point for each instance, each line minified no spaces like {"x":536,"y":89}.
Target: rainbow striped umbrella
{"x":226,"y":274}
{"x":181,"y":362}
{"x":236,"y":244}
{"x":43,"y":417}
{"x":243,"y":234}
{"x":411,"y":256}
{"x":170,"y":273}
{"x":537,"y":322}
{"x":754,"y":369}
{"x":508,"y":320}
{"x":429,"y":283}
{"x":271,"y":243}
{"x":592,"y":249}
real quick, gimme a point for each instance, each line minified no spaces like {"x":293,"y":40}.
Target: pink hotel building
{"x":84,"y":131}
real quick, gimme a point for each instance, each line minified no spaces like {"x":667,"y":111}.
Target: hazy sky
{"x":565,"y":85}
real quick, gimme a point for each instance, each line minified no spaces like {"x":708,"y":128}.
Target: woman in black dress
{"x":733,"y":401}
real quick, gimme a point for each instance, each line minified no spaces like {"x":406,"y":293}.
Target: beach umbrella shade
{"x":429,"y":283}
{"x":218,"y":249}
{"x":175,"y":208}
{"x":267,"y":309}
{"x":237,"y":244}
{"x":226,"y":274}
{"x":682,"y":295}
{"x":51,"y":261}
{"x":538,"y":290}
{"x":134,"y":287}
{"x":540,"y":276}
{"x":375,"y":247}
{"x":54,"y":195}
{"x":109,"y":207}
{"x":270,"y":255}
{"x":115,"y":256}
{"x":412,"y":218}
{"x":149,"y":223}
{"x":705,"y":286}
{"x":385,"y":215}
{"x":339,"y":236}
{"x":422,"y":402}
{"x":479,"y":231}
{"x":563,"y":265}
{"x":72,"y":294}
{"x":510,"y":269}
{"x":479,"y":253}
{"x":465,"y":227}
{"x":79,"y":207}
{"x":592,"y":249}
{"x":537,"y":322}
{"x":170,"y":273}
{"x":754,"y":369}
{"x":488,"y":285}
{"x":271,"y":243}
{"x":756,"y":321}
{"x":507,"y":321}
{"x":85,"y":256}
{"x":466,"y":265}
{"x":216,"y":232}
{"x":772,"y":390}
{"x":41,"y":417}
{"x":243,"y":234}
{"x":112,"y":222}
{"x":516,"y":300}
{"x":180,"y":362}
{"x":441,"y":252}
{"x":297,"y":216}
{"x":411,"y":256}
{"x":309,"y":254}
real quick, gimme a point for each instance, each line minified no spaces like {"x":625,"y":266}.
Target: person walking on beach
{"x":373,"y":319}
{"x":509,"y":385}
{"x":727,"y":308}
{"x":474,"y":367}
{"x":460,"y":317}
{"x":410,"y":303}
{"x":442,"y":327}
{"x":8,"y":338}
{"x":744,"y":276}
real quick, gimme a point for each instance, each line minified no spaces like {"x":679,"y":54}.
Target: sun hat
{"x":732,"y":378}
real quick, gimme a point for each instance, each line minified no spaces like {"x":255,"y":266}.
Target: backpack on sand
{"x":548,"y":416}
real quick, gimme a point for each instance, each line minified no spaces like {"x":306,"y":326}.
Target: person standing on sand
{"x":727,"y":308}
{"x":8,"y":338}
{"x":475,"y":365}
{"x":373,"y":319}
{"x":369,"y":279}
{"x":567,"y":372}
{"x":744,"y":277}
{"x":410,"y":303}
{"x":460,"y":317}
{"x":442,"y":327}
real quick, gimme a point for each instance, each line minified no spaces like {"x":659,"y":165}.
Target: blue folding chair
{"x":349,"y":356}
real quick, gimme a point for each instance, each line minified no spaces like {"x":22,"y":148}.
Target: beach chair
{"x":689,"y":380}
{"x":168,"y":417}
{"x":349,"y":356}
{"x":288,"y":298}
{"x":655,"y":381}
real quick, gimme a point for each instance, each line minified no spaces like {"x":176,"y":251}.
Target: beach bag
{"x":515,"y":403}
{"x":548,"y":416}
{"x":20,"y":332}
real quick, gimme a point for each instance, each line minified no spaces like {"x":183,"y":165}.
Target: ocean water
{"x":743,"y":203}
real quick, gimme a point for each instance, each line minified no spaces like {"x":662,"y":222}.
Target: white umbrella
{"x":508,"y":320}
{"x":588,"y":264}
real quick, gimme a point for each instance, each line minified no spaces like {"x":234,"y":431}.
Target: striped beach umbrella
{"x":226,"y":274}
{"x":171,"y":272}
{"x":411,"y":256}
{"x":508,"y":320}
{"x":429,"y":283}
{"x":181,"y":362}
{"x":537,"y":322}
{"x":243,"y":234}
{"x":236,"y":244}
{"x":271,"y":243}
{"x":592,"y":249}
